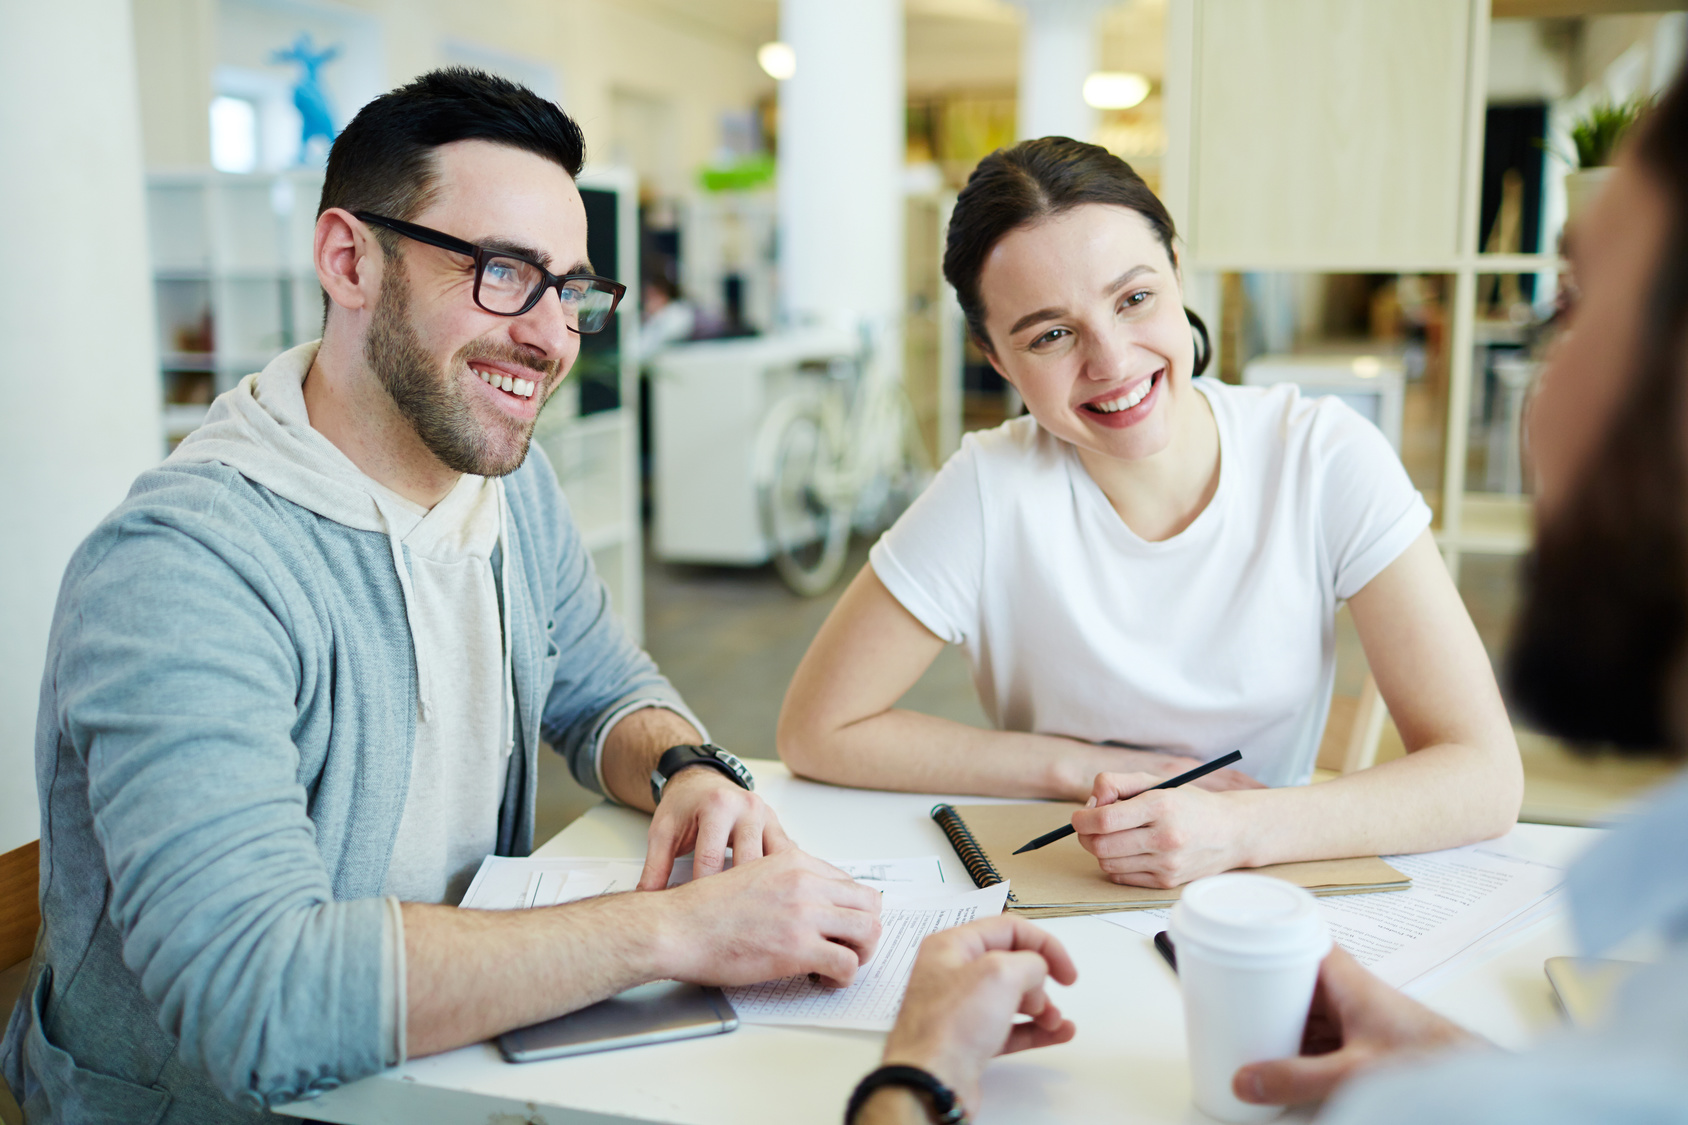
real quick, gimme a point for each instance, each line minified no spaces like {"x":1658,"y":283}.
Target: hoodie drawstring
{"x":508,"y":688}
{"x":424,"y":688}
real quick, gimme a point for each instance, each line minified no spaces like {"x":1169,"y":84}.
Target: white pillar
{"x":841,"y":155}
{"x":78,"y":378}
{"x":1058,"y":51}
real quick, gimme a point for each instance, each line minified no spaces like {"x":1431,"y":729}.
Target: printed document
{"x":510,"y":883}
{"x":872,"y":1000}
{"x":1459,"y":900}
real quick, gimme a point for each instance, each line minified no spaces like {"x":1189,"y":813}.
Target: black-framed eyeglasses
{"x":509,"y":284}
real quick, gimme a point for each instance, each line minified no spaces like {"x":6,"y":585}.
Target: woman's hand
{"x":1162,"y":837}
{"x":968,"y":984}
{"x":1113,"y":757}
{"x":1356,"y":1021}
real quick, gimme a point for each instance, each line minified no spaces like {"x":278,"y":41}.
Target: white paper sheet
{"x":1460,"y":899}
{"x":509,"y":883}
{"x":873,"y":998}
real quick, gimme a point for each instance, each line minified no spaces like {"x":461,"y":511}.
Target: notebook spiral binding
{"x":979,"y":867}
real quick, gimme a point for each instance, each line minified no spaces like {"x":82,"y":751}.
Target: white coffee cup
{"x":1248,"y":949}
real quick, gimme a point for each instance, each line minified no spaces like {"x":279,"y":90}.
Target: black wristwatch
{"x":942,"y":1106}
{"x":676,"y":758}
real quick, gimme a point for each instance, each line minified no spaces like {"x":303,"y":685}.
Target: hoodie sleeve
{"x":602,"y":675}
{"x":177,"y":681}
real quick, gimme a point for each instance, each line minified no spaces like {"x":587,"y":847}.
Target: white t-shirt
{"x":1220,"y":638}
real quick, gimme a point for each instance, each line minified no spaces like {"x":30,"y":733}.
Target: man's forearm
{"x":471,"y":974}
{"x":893,"y":1105}
{"x":633,"y":747}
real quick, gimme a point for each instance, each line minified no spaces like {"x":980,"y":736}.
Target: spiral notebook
{"x":1063,"y":878}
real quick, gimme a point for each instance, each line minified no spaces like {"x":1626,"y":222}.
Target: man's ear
{"x":348,"y":260}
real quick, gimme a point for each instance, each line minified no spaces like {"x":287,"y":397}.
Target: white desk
{"x":1125,"y":1065}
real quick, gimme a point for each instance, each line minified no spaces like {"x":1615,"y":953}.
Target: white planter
{"x":1581,"y":187}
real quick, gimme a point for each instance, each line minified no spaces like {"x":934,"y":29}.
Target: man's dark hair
{"x":1035,"y":180}
{"x":1597,"y":655}
{"x":384,"y":161}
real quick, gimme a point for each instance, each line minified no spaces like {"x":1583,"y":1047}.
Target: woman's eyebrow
{"x":1113,"y":286}
{"x":1127,"y":278}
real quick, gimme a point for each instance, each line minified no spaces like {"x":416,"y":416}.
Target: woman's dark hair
{"x":384,"y":161}
{"x":1597,"y":654}
{"x":1034,"y":180}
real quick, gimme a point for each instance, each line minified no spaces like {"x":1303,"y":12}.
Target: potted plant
{"x":1596,"y":136}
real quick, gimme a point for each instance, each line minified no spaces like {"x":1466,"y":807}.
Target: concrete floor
{"x":729,"y":639}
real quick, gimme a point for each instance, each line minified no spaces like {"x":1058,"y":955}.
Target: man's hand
{"x":1161,"y":838}
{"x":779,"y":916}
{"x":704,"y":812}
{"x":1356,"y":1021}
{"x":967,"y":986}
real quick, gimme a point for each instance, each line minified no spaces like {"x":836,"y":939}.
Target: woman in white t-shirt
{"x":1144,"y":574}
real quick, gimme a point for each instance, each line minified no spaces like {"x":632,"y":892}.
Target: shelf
{"x":1491,"y":524}
{"x":180,"y":420}
{"x":1479,"y":263}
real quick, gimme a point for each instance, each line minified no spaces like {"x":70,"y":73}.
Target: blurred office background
{"x":1372,"y":194}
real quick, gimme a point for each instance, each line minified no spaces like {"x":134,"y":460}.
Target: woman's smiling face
{"x":1086,"y":319}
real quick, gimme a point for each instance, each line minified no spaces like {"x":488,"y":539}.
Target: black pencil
{"x":1202,"y":770}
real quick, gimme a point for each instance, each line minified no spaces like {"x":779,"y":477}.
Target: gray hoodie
{"x":223,"y":753}
{"x":465,"y":723}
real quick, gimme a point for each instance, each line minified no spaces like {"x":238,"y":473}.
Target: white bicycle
{"x":843,"y":453}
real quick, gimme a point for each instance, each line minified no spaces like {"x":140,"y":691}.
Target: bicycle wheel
{"x":807,"y":523}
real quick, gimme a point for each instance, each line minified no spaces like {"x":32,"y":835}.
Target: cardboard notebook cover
{"x":1062,"y":878}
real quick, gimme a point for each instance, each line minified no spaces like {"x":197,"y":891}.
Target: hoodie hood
{"x":262,"y":430}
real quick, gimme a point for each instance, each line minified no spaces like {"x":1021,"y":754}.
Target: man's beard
{"x":432,"y":400}
{"x":1595,"y":654}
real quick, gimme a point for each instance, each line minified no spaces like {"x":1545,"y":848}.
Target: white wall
{"x":597,"y":51}
{"x":78,"y":381}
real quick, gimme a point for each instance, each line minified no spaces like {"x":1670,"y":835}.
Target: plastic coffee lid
{"x":1250,"y":916}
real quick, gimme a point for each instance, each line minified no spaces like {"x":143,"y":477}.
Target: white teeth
{"x":1126,"y":402}
{"x":522,"y":387}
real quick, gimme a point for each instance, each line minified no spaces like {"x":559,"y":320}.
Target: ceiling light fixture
{"x":777,"y":60}
{"x":1112,"y":89}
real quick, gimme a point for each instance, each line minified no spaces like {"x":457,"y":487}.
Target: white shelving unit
{"x":235,"y":286}
{"x":232,"y":280}
{"x":1358,"y":129}
{"x":596,"y":455}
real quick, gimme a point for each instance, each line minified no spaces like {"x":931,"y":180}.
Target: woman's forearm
{"x":1442,"y":796}
{"x":918,"y":753}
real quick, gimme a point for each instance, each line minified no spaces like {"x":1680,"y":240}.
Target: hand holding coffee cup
{"x":1249,"y":948}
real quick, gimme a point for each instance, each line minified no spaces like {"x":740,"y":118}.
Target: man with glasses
{"x":296,"y":683}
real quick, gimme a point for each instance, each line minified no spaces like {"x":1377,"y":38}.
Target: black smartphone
{"x":1163,"y":945}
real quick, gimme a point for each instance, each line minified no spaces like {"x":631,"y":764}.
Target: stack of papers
{"x":917,"y":903}
{"x":1462,"y":902}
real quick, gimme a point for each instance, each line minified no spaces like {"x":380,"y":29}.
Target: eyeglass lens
{"x":507,"y":283}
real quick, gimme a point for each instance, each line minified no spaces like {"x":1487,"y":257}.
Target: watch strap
{"x":941,"y":1103}
{"x":677,"y":758}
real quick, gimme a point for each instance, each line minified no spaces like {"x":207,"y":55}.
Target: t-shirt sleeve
{"x":1369,"y":510}
{"x":932,"y":558}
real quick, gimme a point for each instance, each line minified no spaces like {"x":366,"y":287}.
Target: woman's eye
{"x":1050,"y":337}
{"x":1134,"y":299}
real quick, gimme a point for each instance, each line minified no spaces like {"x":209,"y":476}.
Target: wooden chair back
{"x":1353,"y":731}
{"x":20,"y":903}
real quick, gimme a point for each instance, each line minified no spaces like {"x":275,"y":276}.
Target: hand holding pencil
{"x":1146,"y":832}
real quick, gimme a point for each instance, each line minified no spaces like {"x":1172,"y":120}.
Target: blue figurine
{"x":308,"y":95}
